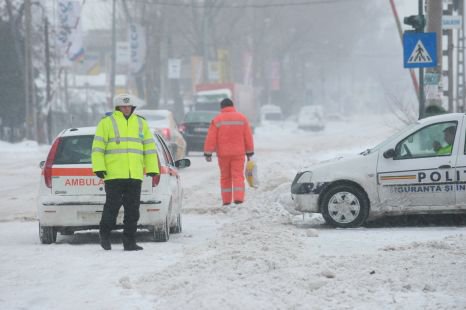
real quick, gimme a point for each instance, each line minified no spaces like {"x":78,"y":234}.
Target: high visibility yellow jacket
{"x":124,"y":147}
{"x":444,"y":150}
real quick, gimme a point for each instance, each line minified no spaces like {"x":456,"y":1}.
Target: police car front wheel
{"x":345,"y":206}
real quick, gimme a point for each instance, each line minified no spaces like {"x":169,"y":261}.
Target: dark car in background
{"x":194,"y":129}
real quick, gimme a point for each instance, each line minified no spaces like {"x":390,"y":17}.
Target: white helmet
{"x":124,"y":99}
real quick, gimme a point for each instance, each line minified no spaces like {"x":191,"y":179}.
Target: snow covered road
{"x":255,"y":256}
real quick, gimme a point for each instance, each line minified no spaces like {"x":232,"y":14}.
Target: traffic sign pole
{"x":422,"y":97}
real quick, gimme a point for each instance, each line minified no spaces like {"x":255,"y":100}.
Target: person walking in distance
{"x":123,"y":147}
{"x":230,"y":136}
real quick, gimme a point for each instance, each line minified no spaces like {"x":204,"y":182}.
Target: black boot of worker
{"x":129,"y":244}
{"x":105,"y":242}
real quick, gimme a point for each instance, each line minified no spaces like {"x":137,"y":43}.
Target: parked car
{"x":311,"y":117}
{"x":71,"y":197}
{"x":416,"y":171}
{"x":271,"y":113}
{"x":194,"y":129}
{"x":163,"y":122}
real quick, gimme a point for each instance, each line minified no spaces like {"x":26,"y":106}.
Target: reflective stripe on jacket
{"x":124,"y":147}
{"x":229,"y":134}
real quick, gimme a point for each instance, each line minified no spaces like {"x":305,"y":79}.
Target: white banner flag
{"x":137,"y":47}
{"x":69,"y":35}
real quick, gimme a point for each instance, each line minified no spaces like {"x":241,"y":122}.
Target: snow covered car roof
{"x":165,"y":113}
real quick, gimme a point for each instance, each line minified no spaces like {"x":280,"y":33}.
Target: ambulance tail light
{"x":49,"y":163}
{"x":156,"y":179}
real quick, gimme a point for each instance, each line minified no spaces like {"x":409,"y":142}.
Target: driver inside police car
{"x":449,"y":136}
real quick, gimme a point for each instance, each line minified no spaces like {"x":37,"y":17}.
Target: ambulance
{"x":71,"y":197}
{"x":419,"y":170}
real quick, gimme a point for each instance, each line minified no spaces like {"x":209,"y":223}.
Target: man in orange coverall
{"x":230,"y":136}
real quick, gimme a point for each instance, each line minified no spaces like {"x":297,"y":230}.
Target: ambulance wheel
{"x":162,"y":234}
{"x":47,"y":234}
{"x":178,"y":227}
{"x":345,"y":206}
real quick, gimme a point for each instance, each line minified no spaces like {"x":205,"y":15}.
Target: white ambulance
{"x":71,"y":197}
{"x":419,"y":170}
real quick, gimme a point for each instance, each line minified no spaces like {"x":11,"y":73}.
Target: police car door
{"x":416,"y":174}
{"x":461,"y":168}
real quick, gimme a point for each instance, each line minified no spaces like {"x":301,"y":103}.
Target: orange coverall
{"x":230,"y":136}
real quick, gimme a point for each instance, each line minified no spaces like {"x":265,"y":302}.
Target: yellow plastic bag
{"x":251,"y":174}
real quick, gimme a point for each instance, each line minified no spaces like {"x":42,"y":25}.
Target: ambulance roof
{"x":78,"y":131}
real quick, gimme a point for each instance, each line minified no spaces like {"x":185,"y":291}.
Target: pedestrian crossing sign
{"x":419,"y":49}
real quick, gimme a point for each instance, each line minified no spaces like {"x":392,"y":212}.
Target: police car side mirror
{"x":182,"y":163}
{"x":41,"y":164}
{"x":390,"y":153}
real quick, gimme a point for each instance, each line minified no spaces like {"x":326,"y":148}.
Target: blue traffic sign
{"x":419,"y":49}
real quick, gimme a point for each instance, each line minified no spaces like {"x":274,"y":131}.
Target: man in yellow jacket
{"x":449,"y":136}
{"x":123,"y":147}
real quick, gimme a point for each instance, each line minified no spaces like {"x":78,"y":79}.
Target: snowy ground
{"x":256,"y":256}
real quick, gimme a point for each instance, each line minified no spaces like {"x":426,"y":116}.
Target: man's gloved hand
{"x":249,"y":156}
{"x":152,"y":174}
{"x":101,"y":174}
{"x":208,"y":157}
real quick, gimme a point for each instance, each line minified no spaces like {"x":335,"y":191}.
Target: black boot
{"x":129,"y":244}
{"x":105,"y":241}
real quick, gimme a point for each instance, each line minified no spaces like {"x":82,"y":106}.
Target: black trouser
{"x":126,"y":192}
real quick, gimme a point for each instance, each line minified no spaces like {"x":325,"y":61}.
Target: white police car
{"x":419,"y":170}
{"x":71,"y":197}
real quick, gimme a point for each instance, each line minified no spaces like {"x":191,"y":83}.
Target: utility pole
{"x":418,"y":22}
{"x":449,"y":54}
{"x":113,"y":58}
{"x":31,"y":121}
{"x":175,"y":86}
{"x":47,"y":77}
{"x":155,"y":30}
{"x":27,"y":64}
{"x":460,"y":78}
{"x":422,"y":97}
{"x":400,"y":32}
{"x":205,"y":51}
{"x":434,"y":24}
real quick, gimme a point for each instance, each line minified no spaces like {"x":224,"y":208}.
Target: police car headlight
{"x":306,"y":177}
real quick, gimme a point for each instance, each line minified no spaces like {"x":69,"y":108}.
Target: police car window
{"x":74,"y":150}
{"x":430,"y":141}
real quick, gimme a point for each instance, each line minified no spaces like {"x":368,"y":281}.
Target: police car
{"x":71,"y":197}
{"x":419,"y":170}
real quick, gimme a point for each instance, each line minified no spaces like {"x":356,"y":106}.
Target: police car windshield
{"x":391,"y":138}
